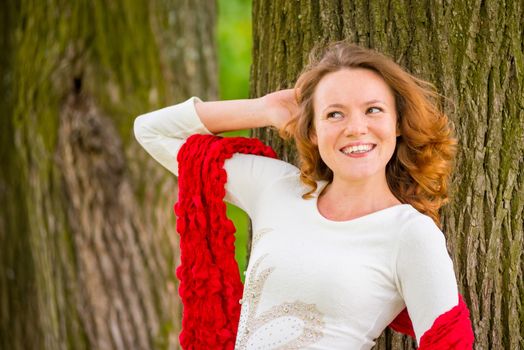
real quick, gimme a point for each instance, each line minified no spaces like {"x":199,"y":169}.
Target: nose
{"x":356,"y":124}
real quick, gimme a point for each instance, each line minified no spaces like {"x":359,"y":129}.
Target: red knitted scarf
{"x":210,"y":285}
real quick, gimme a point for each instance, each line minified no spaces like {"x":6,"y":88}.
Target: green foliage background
{"x":234,"y":56}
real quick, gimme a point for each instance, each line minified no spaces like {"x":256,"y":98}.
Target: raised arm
{"x":274,"y":109}
{"x":161,"y":133}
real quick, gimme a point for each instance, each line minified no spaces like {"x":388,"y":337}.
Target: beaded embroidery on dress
{"x":290,"y":325}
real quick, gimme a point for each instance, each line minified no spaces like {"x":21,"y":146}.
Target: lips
{"x":357,"y":148}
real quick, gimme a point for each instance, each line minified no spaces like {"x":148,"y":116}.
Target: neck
{"x":346,"y":200}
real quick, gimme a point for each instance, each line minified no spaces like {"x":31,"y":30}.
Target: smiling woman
{"x":418,"y":154}
{"x":356,"y":137}
{"x":344,"y":243}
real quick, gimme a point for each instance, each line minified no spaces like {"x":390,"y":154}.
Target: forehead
{"x":351,"y":86}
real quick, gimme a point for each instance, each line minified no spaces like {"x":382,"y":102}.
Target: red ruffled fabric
{"x":210,"y":285}
{"x":451,"y":330}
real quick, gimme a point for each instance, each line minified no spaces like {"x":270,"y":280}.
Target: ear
{"x":398,"y":129}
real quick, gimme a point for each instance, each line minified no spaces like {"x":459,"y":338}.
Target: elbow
{"x":140,"y":128}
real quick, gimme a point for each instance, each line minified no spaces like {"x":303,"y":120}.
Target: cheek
{"x":388,"y":131}
{"x":391,"y":146}
{"x":322,"y":140}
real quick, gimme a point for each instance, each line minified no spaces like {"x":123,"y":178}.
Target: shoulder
{"x":251,"y":176}
{"x":422,"y":252}
{"x":267,"y":162}
{"x":418,"y":228}
{"x":254,"y":179}
{"x":421,"y":244}
{"x":419,"y":239}
{"x":262,"y":168}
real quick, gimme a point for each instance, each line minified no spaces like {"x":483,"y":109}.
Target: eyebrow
{"x":338,"y":105}
{"x":375,"y":101}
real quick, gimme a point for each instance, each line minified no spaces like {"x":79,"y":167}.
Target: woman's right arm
{"x":274,"y":109}
{"x":162,"y":132}
{"x":222,"y":116}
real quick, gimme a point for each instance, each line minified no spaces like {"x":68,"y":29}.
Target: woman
{"x":346,"y":241}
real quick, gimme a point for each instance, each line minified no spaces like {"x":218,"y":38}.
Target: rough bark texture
{"x":87,"y":236}
{"x":474,"y":53}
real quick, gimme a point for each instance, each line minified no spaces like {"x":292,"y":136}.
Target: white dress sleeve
{"x":426,"y":278}
{"x":163,"y":132}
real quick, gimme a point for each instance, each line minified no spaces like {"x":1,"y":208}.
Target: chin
{"x":361,"y":175}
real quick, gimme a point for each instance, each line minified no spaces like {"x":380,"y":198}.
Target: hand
{"x":281,"y":107}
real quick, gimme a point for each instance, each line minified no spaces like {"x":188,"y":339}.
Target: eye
{"x":374,"y":110}
{"x":334,"y":115}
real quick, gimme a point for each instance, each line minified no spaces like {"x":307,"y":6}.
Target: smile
{"x":358,"y":149}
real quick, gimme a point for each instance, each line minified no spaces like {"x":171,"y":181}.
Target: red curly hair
{"x":421,"y":165}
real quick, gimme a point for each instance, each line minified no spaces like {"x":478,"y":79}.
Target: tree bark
{"x":473,"y":52}
{"x":88,"y":244}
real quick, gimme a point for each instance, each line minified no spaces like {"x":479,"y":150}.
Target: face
{"x":355,"y":124}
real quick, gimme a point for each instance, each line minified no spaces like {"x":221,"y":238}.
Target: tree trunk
{"x":87,"y":234}
{"x":473,"y":52}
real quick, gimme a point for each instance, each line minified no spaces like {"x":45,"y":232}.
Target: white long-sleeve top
{"x":313,"y":283}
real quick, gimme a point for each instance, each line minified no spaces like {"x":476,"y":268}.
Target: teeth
{"x":357,"y":149}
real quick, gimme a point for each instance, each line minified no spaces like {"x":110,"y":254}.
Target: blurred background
{"x":234,"y":57}
{"x":88,"y":247}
